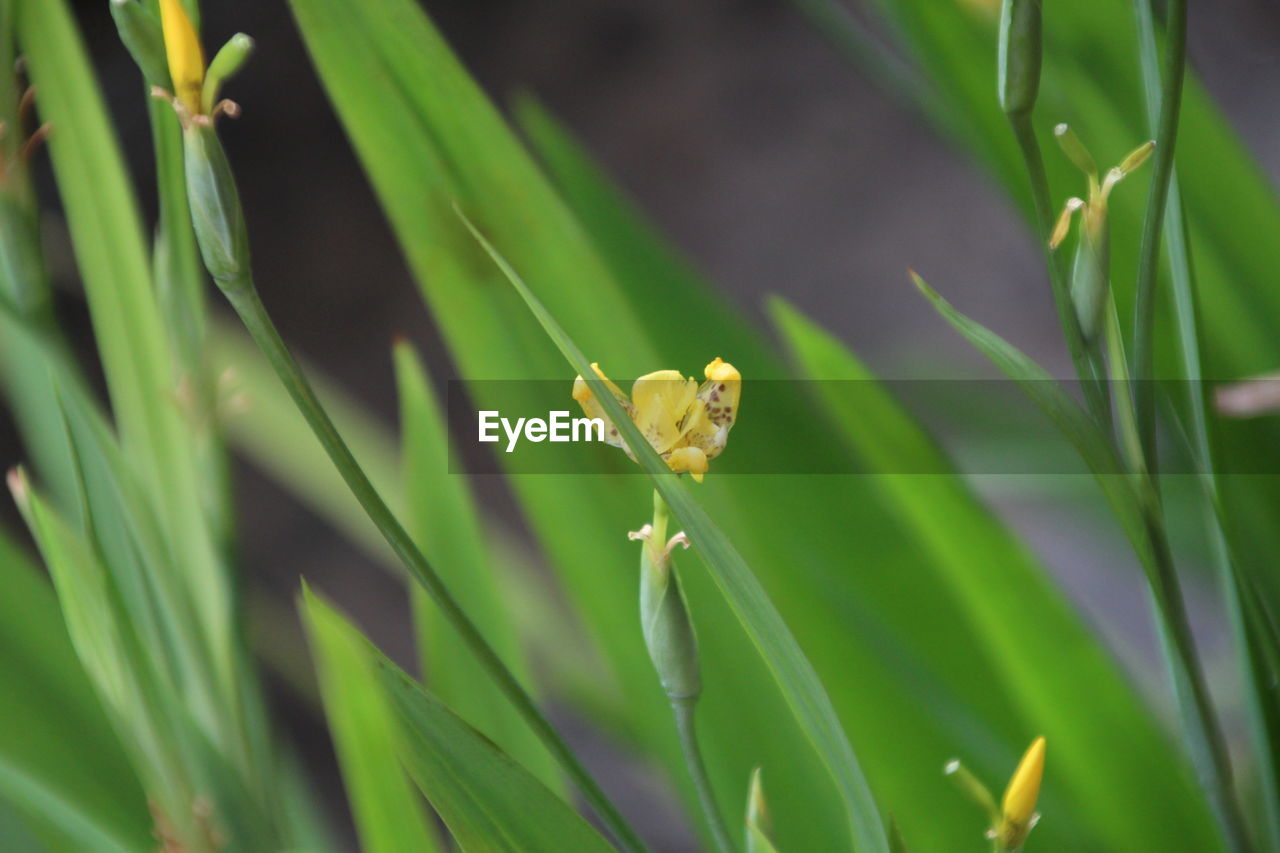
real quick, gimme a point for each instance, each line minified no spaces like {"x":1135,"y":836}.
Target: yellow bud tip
{"x":1020,"y":797}
{"x":186,"y":58}
{"x":720,"y":370}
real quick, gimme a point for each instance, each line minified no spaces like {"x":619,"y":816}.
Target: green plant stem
{"x":1086,"y":368}
{"x":1213,"y":760}
{"x":245,"y":300}
{"x":1208,"y":746}
{"x":683,"y":709}
{"x":1149,"y":252}
{"x":1251,"y":626}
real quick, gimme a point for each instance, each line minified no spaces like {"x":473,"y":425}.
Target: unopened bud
{"x":1018,"y":808}
{"x":1019,"y":55}
{"x":216,"y":215}
{"x":668,"y":630}
{"x":1091,"y":277}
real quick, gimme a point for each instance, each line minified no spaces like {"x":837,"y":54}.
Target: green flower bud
{"x":1019,"y":60}
{"x":668,"y":631}
{"x":1091,"y":278}
{"x":216,"y":215}
{"x":142,"y":37}
{"x":229,"y":60}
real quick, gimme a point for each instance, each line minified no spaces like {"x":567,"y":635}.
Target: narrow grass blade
{"x":60,"y":762}
{"x":795,"y":676}
{"x":1255,"y":642}
{"x":388,"y":813}
{"x":1080,"y":429}
{"x":106,"y":232}
{"x":441,"y":514}
{"x":487,"y":800}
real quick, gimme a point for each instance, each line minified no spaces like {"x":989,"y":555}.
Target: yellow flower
{"x":186,"y":58}
{"x":686,"y":423}
{"x":1018,"y":808}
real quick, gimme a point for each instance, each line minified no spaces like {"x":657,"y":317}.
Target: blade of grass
{"x":488,"y":801}
{"x":59,"y":756}
{"x":106,"y":233}
{"x":1144,"y":311}
{"x":388,"y":812}
{"x":443,"y":516}
{"x":796,"y":677}
{"x":1254,"y":642}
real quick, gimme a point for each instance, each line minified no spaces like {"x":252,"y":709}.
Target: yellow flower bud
{"x":1018,"y":808}
{"x":186,"y":58}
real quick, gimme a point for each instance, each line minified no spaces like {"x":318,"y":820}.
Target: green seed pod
{"x":668,"y":631}
{"x":229,"y":60}
{"x":1090,"y":279}
{"x":142,"y":37}
{"x":216,"y":215}
{"x":1019,"y":71}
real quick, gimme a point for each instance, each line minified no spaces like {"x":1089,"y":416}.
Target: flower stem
{"x":673,"y":648}
{"x":1149,"y":257}
{"x":683,"y":709}
{"x":245,"y":300}
{"x":1086,"y":367}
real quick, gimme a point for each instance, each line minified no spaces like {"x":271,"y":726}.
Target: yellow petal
{"x":662,"y":400}
{"x":592,"y":408}
{"x":689,"y":459}
{"x":186,"y":59}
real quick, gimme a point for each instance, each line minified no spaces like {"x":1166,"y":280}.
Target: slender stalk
{"x":1248,"y":621}
{"x":683,"y":709}
{"x":1213,"y":759}
{"x":683,"y":693}
{"x":1149,"y":252}
{"x":1086,"y":368}
{"x":1208,"y":746}
{"x":244,"y":299}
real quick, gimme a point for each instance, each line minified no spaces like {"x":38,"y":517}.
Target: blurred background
{"x":767,"y":157}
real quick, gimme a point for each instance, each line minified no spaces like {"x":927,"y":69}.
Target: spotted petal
{"x":592,"y":408}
